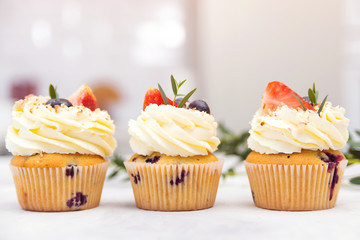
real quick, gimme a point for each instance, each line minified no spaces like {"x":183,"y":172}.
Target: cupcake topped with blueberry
{"x":174,"y":140}
{"x":295,"y":134}
{"x":57,"y":144}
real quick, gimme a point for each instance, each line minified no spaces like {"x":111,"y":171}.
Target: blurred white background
{"x":229,"y":49}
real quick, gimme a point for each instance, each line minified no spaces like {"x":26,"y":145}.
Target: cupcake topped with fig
{"x":174,"y":139}
{"x":57,"y":144}
{"x":295,"y":163}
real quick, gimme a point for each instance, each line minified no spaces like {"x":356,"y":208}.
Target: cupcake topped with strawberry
{"x":295,"y":163}
{"x":174,"y":167}
{"x":287,"y":122}
{"x":173,"y":127}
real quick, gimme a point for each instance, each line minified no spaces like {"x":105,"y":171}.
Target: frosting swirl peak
{"x":173,"y":131}
{"x":289,"y":130}
{"x":38,"y":128}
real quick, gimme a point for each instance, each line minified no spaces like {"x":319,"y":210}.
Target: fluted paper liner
{"x":294,"y":187}
{"x":55,"y":190}
{"x":181,"y":187}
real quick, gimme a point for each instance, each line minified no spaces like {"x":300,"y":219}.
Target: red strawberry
{"x":84,"y":97}
{"x":277,"y":94}
{"x":153,"y":96}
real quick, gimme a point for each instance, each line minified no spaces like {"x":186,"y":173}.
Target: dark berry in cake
{"x":199,"y":105}
{"x":58,"y":102}
{"x":152,"y":160}
{"x":180,"y":179}
{"x":333,"y":161}
{"x":71,"y":170}
{"x":79,"y":200}
{"x":136,"y":177}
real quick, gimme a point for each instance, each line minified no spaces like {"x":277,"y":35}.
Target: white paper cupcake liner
{"x":174,"y":187}
{"x":59,"y":189}
{"x":294,"y":187}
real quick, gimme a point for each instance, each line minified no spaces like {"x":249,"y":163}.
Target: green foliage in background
{"x":118,"y":165}
{"x":233,"y":144}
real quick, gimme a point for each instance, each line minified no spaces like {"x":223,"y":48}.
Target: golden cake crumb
{"x":47,"y":160}
{"x":305,"y":157}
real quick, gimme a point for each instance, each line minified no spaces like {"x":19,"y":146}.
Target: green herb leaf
{"x":302,"y":104}
{"x":184,"y":100}
{"x":312,"y":97}
{"x":52,"y":92}
{"x":163,"y":95}
{"x":355,"y":180}
{"x":181,"y":83}
{"x":174,"y":85}
{"x":322,"y":105}
{"x":317,"y":95}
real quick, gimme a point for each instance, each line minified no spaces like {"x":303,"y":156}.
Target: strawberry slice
{"x":278,"y":94}
{"x":153,"y":96}
{"x":84,"y":97}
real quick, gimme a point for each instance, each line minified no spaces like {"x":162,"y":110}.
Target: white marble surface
{"x":233,"y":217}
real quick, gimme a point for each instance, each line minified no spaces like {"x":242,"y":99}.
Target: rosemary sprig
{"x":52,"y":92}
{"x":302,"y":104}
{"x":163,"y":95}
{"x":313,"y":95}
{"x":322,"y":105}
{"x":184,"y":100}
{"x":175,"y":87}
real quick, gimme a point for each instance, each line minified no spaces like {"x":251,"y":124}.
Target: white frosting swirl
{"x":41,"y":128}
{"x":173,"y":131}
{"x":289,"y":130}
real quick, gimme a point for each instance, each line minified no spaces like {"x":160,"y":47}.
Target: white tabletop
{"x":233,"y":217}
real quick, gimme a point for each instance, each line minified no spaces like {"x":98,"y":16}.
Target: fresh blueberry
{"x":58,"y":102}
{"x":200,"y":105}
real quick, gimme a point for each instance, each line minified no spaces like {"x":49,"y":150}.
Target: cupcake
{"x":295,"y":163}
{"x":60,"y":150}
{"x":173,"y":168}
